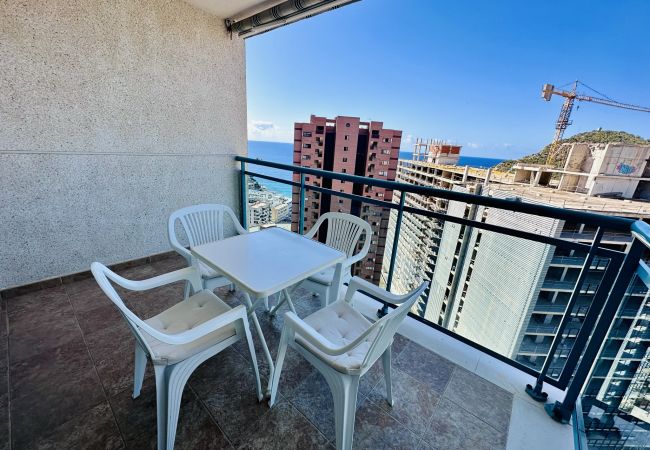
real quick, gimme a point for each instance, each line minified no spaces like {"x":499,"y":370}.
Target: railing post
{"x":393,"y":254}
{"x":244,"y":196}
{"x":561,"y":411}
{"x":302,"y":204}
{"x":536,"y":392}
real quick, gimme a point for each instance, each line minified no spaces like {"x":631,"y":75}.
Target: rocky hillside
{"x":596,"y":137}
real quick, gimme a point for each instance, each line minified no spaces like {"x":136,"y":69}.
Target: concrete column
{"x":465,"y":173}
{"x":488,"y":173}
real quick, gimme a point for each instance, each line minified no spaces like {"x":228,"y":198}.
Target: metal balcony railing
{"x":580,"y":349}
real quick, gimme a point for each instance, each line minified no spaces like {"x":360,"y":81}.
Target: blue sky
{"x":470,"y":72}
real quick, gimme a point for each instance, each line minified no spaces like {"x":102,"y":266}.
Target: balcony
{"x":126,"y":135}
{"x":70,"y":361}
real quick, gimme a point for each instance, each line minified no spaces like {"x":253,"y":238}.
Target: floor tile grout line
{"x":307,"y":419}
{"x":442,"y":395}
{"x":474,"y":415}
{"x":92,"y":360}
{"x":417,"y":434}
{"x":207,"y":410}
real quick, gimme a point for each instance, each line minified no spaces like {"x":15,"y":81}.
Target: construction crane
{"x":564,"y":120}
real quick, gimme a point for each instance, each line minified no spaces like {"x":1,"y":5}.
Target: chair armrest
{"x":357,"y":284}
{"x":307,"y":332}
{"x":190,"y":274}
{"x":176,"y":245}
{"x":312,"y":231}
{"x":222,"y":320}
{"x":239,"y":228}
{"x":355,"y":258}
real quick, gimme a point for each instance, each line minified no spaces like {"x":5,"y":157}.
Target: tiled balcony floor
{"x":67,"y":363}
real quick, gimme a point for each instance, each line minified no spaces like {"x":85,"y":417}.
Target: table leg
{"x":283,"y":296}
{"x":265,"y":348}
{"x":336,"y":283}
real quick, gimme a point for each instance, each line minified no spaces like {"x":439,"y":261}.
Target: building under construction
{"x":604,"y":170}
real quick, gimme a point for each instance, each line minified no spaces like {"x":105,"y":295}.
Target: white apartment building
{"x":473,"y":291}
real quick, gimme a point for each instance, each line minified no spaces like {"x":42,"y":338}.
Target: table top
{"x":267,"y":261}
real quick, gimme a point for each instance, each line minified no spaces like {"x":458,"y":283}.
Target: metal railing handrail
{"x":607,"y":295}
{"x":609,"y":222}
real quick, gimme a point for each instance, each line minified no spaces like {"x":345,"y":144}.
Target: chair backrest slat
{"x":344,"y":231}
{"x":203,"y":223}
{"x":387,"y":326}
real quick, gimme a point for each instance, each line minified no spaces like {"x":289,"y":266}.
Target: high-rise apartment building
{"x":347,"y":145}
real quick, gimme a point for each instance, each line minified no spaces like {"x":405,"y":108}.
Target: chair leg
{"x":251,"y":351}
{"x":325,"y":298}
{"x":177,"y":376}
{"x":282,"y":351}
{"x":344,"y":391}
{"x":140,"y":367}
{"x":385,"y":359}
{"x":161,"y":404}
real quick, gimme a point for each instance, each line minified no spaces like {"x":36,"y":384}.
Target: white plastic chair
{"x":343,"y":233}
{"x":202,"y":224}
{"x":178,"y":339}
{"x":343,"y":345}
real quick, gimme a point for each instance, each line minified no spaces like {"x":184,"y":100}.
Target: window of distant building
{"x":340,"y":201}
{"x":385,"y":152}
{"x":346,"y":137}
{"x":306,"y":134}
{"x":347,"y":125}
{"x":384,"y":163}
{"x":345,"y":160}
{"x":388,"y":140}
{"x":383,"y":173}
{"x":320,"y":129}
{"x":375,"y":133}
{"x":306,"y":145}
{"x":345,"y":149}
{"x":345,"y":171}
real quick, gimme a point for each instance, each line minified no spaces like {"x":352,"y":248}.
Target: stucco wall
{"x":112,"y":115}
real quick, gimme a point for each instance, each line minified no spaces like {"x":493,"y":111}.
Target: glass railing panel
{"x":500,"y":279}
{"x":269,"y":203}
{"x":616,"y":397}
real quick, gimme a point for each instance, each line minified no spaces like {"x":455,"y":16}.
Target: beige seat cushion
{"x":184,"y":316}
{"x":340,"y":324}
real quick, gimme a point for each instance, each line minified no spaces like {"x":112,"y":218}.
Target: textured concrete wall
{"x":112,"y":115}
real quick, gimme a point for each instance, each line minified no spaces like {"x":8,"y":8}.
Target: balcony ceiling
{"x":228,"y":9}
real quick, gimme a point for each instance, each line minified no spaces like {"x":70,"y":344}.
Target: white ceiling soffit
{"x":234,"y":9}
{"x":278,"y":14}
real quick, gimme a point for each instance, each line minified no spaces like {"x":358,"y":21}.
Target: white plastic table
{"x":267,"y":262}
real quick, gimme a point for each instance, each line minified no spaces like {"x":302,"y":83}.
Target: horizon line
{"x":401,"y":150}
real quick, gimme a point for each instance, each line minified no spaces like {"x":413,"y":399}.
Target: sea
{"x":283,"y":153}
